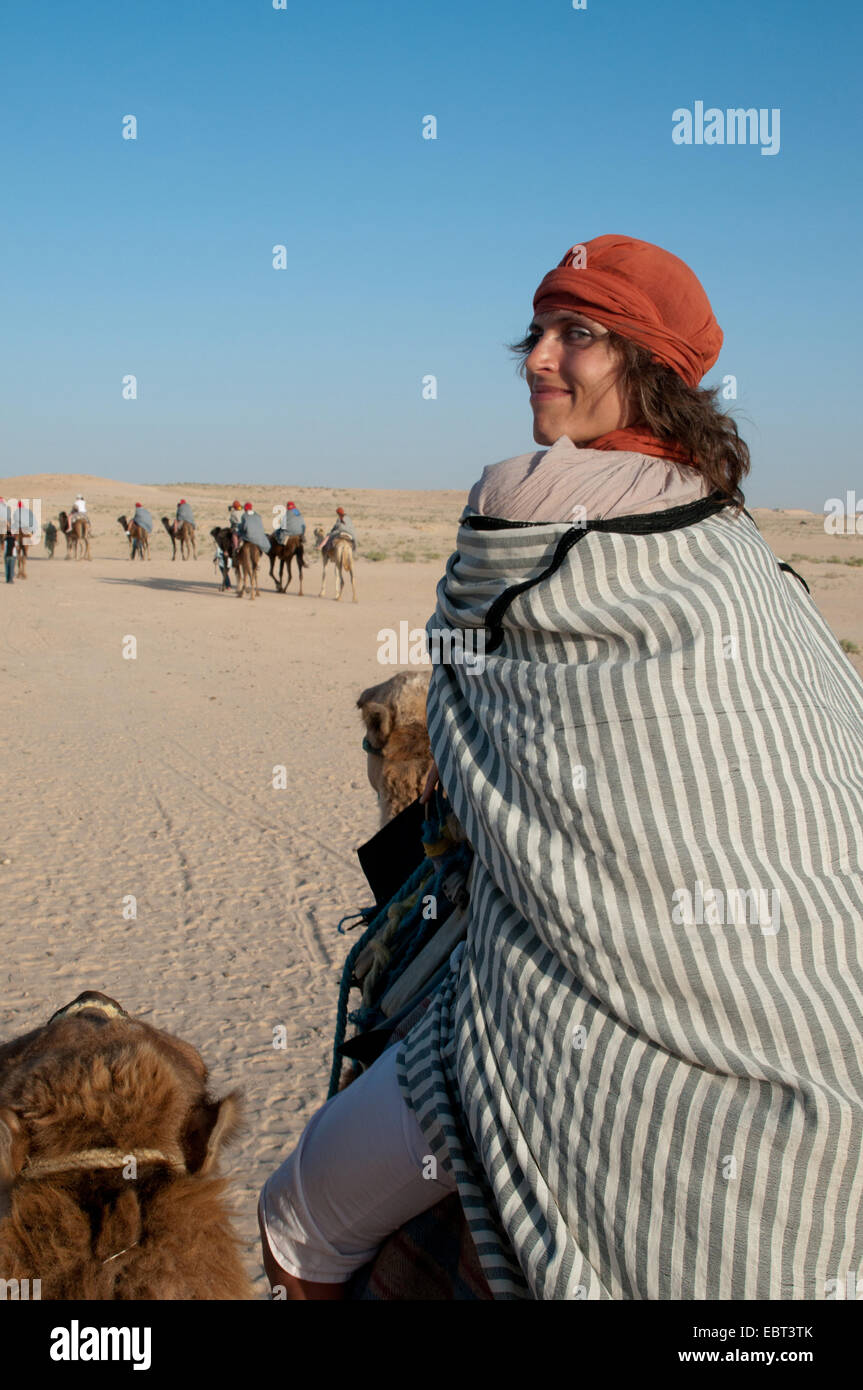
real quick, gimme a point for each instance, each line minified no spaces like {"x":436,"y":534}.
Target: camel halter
{"x":90,"y":1160}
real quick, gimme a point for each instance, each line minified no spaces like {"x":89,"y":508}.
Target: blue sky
{"x":406,"y":256}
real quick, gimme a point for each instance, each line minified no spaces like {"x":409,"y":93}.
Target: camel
{"x":403,"y":1269}
{"x":109,"y":1140}
{"x":139,"y":539}
{"x":339,"y":553}
{"x":246,"y":560}
{"x":185,"y":534}
{"x":397,"y":743}
{"x":76,"y":538}
{"x":23,"y":545}
{"x":284,"y":552}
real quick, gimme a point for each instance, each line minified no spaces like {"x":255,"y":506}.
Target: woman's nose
{"x":544,"y":356}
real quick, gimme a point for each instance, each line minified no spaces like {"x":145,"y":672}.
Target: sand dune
{"x":152,"y":778}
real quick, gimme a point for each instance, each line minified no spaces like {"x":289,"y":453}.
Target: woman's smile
{"x":541,"y":392}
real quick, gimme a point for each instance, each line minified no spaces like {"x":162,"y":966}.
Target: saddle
{"x":398,"y":963}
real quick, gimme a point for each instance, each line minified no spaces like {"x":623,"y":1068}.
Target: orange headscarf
{"x":644,"y":294}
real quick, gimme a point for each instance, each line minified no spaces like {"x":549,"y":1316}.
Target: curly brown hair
{"x":684,"y":415}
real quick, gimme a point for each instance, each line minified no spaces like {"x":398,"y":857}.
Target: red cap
{"x":290,"y":504}
{"x":248,"y":507}
{"x":340,"y":511}
{"x":137,"y":504}
{"x":235,"y":503}
{"x":182,"y":501}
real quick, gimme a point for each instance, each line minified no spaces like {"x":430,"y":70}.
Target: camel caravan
{"x":110,"y":1138}
{"x":239,"y":547}
{"x":243,"y":542}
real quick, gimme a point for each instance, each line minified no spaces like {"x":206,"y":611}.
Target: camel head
{"x":397,"y":744}
{"x":95,"y":1079}
{"x":108,"y":1142}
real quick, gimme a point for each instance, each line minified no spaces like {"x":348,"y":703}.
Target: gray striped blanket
{"x":645,"y":1071}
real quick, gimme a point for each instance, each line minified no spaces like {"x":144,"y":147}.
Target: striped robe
{"x":645,"y":1069}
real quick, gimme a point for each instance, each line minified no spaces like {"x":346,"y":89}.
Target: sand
{"x":153,"y":777}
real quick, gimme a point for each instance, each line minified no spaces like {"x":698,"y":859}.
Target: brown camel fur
{"x":23,"y":544}
{"x":139,"y":539}
{"x":108,"y":1145}
{"x":339,"y":553}
{"x":246,"y":561}
{"x":185,"y":535}
{"x":285,"y":552}
{"x":77,"y":538}
{"x":394,"y":714}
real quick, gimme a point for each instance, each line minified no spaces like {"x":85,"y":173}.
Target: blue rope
{"x":355,"y":917}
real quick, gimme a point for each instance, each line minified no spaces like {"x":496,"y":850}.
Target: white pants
{"x":360,"y":1170}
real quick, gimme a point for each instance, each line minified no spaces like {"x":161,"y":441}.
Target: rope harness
{"x":91,"y":1160}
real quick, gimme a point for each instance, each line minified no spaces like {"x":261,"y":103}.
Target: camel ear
{"x":13,"y":1146}
{"x":378,"y":721}
{"x":211,"y":1125}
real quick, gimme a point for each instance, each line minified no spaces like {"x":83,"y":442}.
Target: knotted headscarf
{"x":648,"y":296}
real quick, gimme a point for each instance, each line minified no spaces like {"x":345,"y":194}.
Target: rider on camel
{"x":78,"y":513}
{"x":184,"y":513}
{"x":292,"y":524}
{"x":342,"y":527}
{"x":252,"y":529}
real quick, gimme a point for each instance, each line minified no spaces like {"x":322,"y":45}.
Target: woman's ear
{"x":14,"y":1146}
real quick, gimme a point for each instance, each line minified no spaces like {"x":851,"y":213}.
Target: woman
{"x":643,"y":1073}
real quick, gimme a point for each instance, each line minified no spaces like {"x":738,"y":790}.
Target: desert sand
{"x":152,"y":778}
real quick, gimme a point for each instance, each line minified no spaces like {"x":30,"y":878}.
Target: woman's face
{"x":574,"y":379}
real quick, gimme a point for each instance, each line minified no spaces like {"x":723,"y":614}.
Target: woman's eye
{"x":579,"y":335}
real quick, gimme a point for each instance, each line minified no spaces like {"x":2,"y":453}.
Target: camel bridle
{"x":92,"y":1160}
